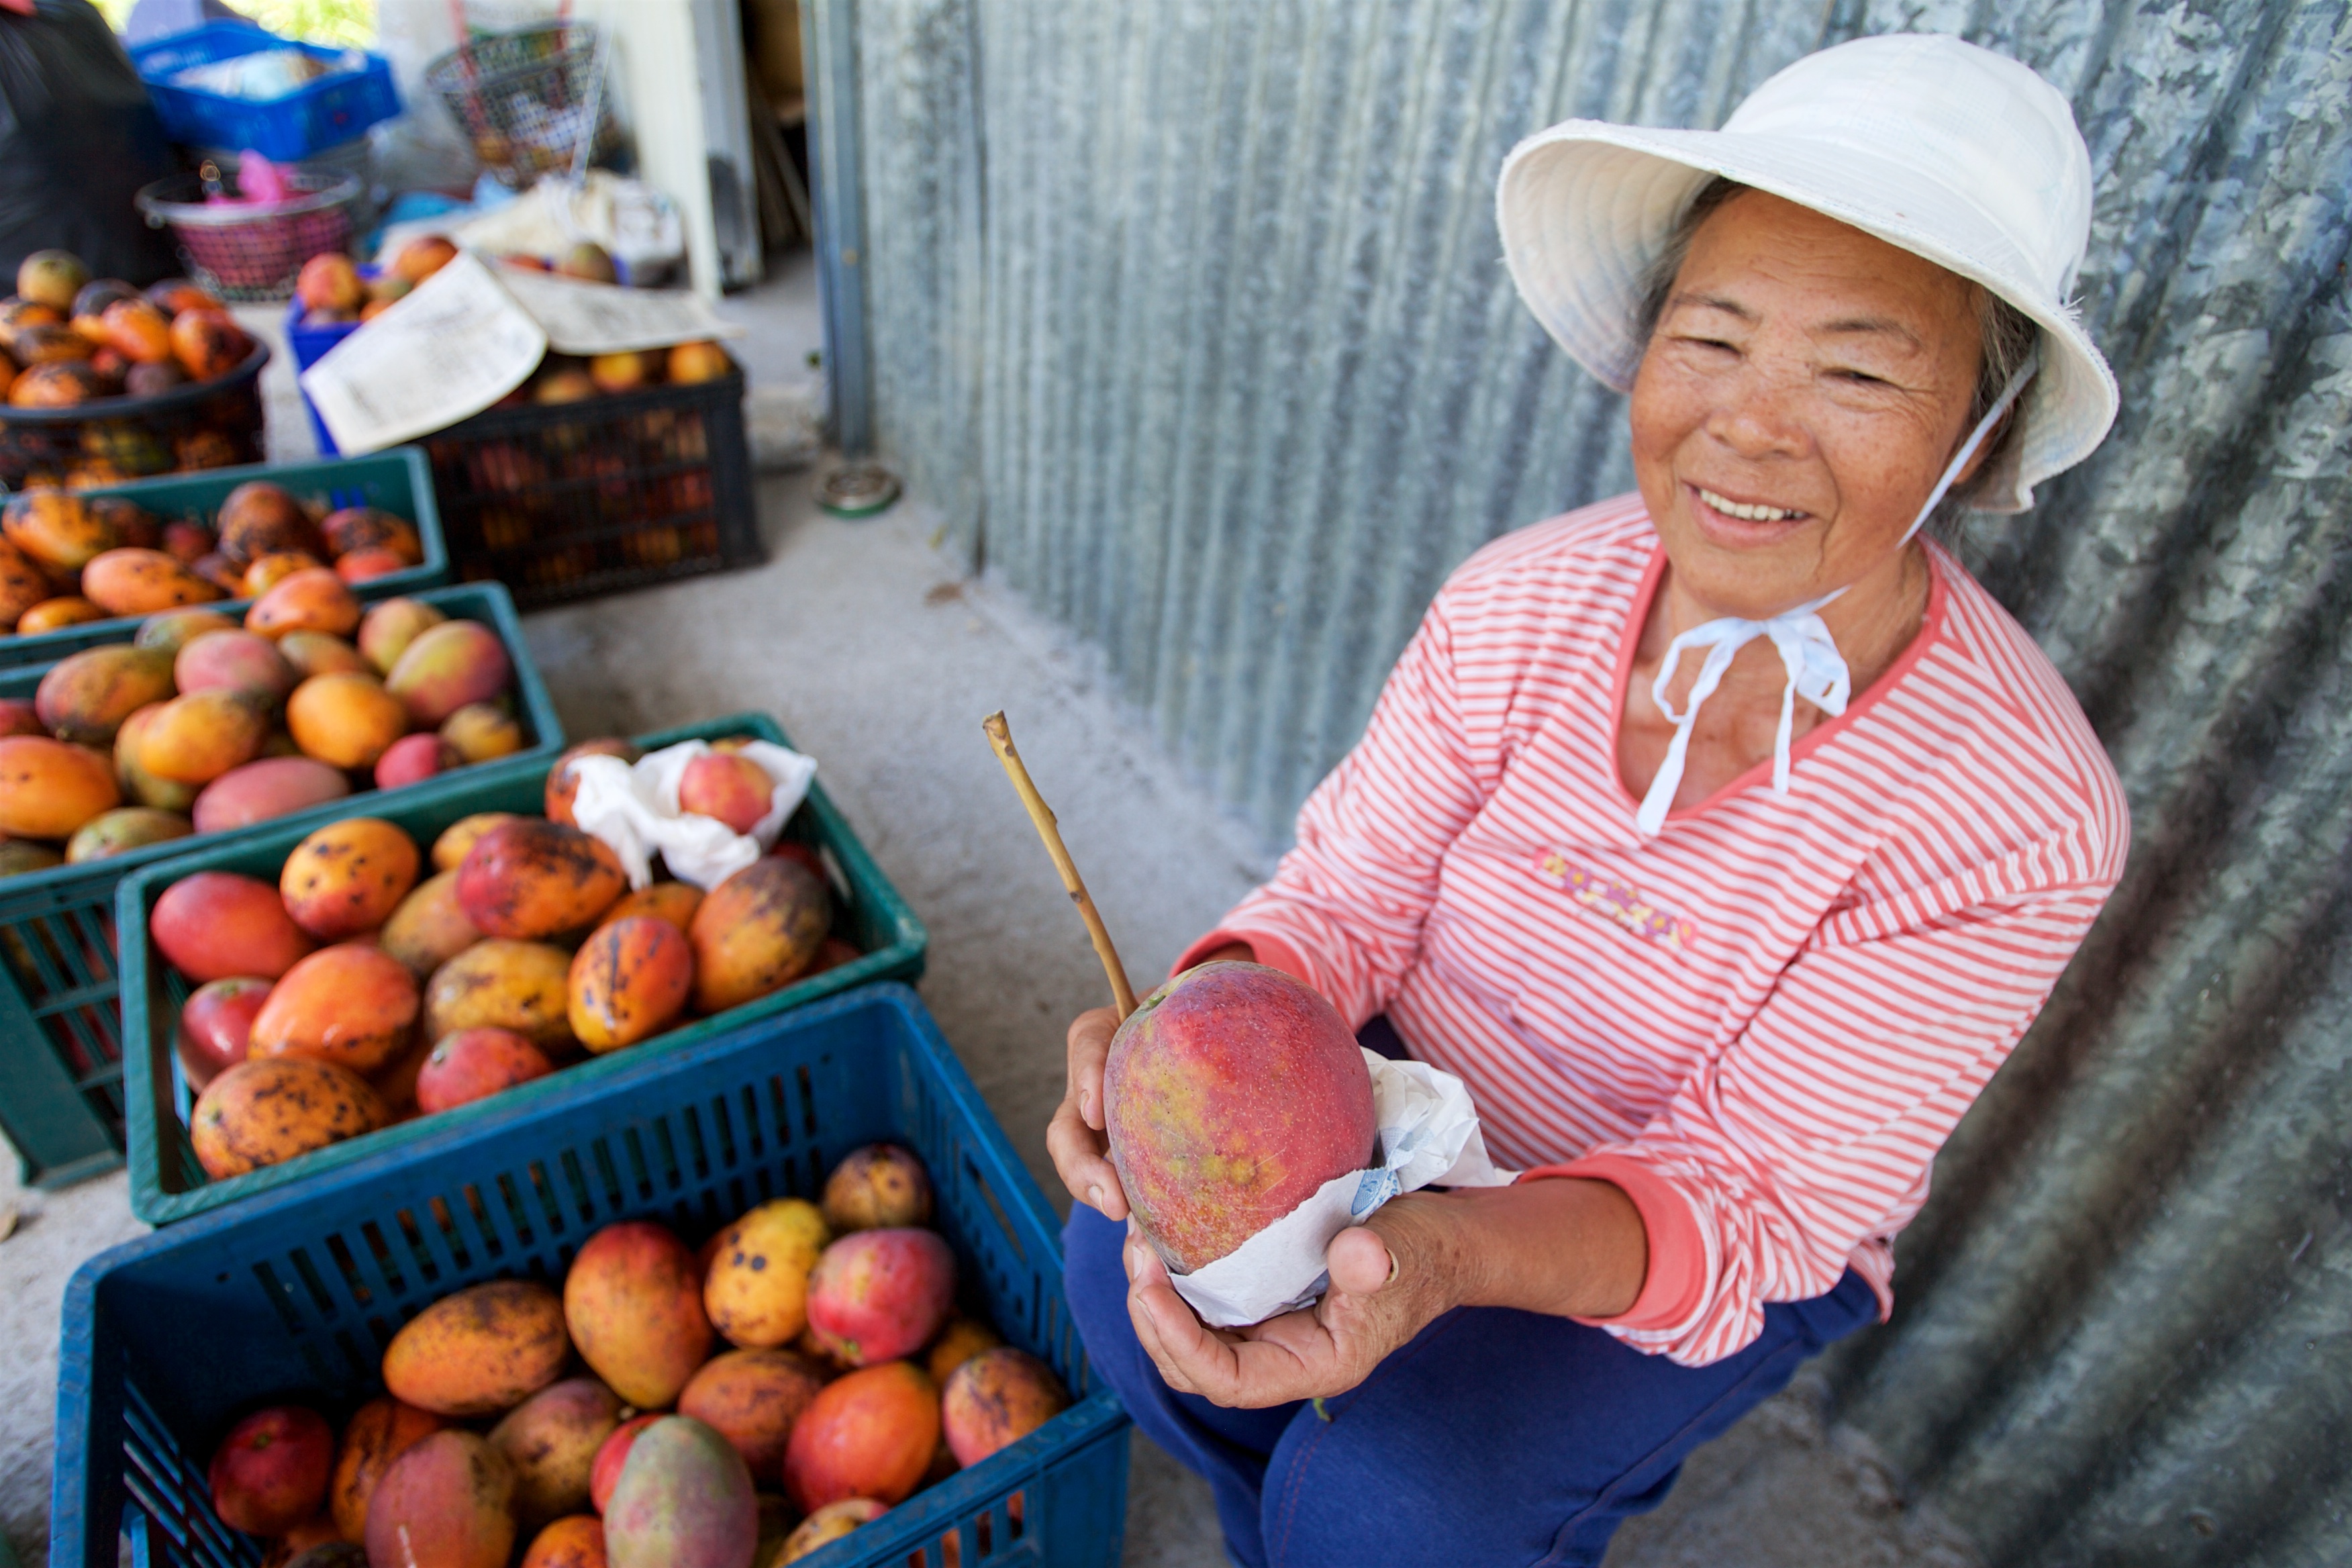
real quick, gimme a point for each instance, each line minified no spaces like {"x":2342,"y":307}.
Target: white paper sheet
{"x":633,"y":808}
{"x":589,"y":319}
{"x":1428,"y":1137}
{"x":451,"y":348}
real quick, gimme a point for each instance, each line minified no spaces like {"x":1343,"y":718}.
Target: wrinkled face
{"x":1803,"y":391}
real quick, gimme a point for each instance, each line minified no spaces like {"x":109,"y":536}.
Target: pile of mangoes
{"x":200,"y":725}
{"x":67,"y":339}
{"x":844,"y":1382}
{"x":332,"y":291}
{"x":66,"y":558}
{"x":361,"y":990}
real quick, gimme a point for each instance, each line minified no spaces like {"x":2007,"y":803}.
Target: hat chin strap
{"x":1816,"y":671}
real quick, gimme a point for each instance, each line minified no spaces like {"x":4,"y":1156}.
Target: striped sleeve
{"x":1345,"y":908}
{"x":1814,"y":1133}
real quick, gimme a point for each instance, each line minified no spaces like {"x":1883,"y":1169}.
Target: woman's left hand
{"x":1389,"y":1278}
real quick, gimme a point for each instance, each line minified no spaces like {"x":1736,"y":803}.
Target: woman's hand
{"x":1389,"y":1278}
{"x":1075,"y":1137}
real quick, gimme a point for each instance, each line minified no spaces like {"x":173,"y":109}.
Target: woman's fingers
{"x":1360,"y":1261}
{"x":1073,"y":1138}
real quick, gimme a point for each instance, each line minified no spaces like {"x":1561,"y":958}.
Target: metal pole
{"x":829,"y":44}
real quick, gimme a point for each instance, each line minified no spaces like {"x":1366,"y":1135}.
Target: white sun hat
{"x":1951,"y":151}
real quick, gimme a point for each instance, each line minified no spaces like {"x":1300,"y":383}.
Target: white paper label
{"x":454,"y":345}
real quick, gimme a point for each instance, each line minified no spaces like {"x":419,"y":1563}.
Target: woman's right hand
{"x":1075,"y":1137}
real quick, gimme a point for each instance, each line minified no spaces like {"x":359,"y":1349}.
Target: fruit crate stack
{"x":62,"y":1040}
{"x":315,"y":1300}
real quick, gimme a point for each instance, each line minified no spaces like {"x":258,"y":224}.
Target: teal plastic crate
{"x":61,"y":1090}
{"x":167,"y":1185}
{"x":168,"y":1339}
{"x":396,"y":480}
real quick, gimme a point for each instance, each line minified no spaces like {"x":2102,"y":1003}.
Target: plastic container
{"x":61,"y":1027}
{"x":253,"y":252}
{"x":523,"y":99}
{"x":394,"y":480}
{"x":317,"y":114}
{"x":569,"y":500}
{"x":211,"y":425}
{"x":167,"y":1184}
{"x":168,"y":1339}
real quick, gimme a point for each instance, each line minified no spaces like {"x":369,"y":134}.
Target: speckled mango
{"x":348,"y":876}
{"x":628,"y":982}
{"x":531,"y":878}
{"x":504,"y":984}
{"x":756,"y":932}
{"x":484,"y":1350}
{"x":265,"y":1112}
{"x":756,"y":1291}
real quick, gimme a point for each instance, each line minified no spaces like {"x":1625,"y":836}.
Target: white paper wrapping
{"x":633,"y":808}
{"x":1428,"y":1137}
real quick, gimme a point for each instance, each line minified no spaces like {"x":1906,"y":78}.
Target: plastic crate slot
{"x":484,"y":1229}
{"x":380,"y":1253}
{"x":279,"y":1296}
{"x":1003,"y":1221}
{"x":720,"y":1142}
{"x":808,"y":1098}
{"x":356,"y":1360}
{"x":518,"y":1216}
{"x":428,"y":1272}
{"x":445,"y":1230}
{"x":687,"y":1147}
{"x":551,"y":1205}
{"x":756,"y":1142}
{"x":639,"y":1169}
{"x":308,"y":1272}
{"x":576,"y":1179}
{"x":340,"y":1251}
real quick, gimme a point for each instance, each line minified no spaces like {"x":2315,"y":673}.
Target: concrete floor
{"x":880,"y":663}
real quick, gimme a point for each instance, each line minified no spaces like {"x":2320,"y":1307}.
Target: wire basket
{"x":525,"y":99}
{"x":253,"y":253}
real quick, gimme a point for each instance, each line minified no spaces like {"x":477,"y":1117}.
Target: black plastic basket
{"x":213,"y":424}
{"x":574,"y":500}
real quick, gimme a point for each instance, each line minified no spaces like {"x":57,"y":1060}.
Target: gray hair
{"x":2009,"y":335}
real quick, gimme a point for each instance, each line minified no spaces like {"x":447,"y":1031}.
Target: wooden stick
{"x":1000,"y":736}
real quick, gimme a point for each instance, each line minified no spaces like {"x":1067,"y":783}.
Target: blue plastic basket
{"x":320,"y":114}
{"x":168,"y":1339}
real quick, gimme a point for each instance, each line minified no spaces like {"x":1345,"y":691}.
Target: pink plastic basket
{"x":248,"y":253}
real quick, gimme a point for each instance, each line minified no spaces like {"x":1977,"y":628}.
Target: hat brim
{"x":1586,"y":208}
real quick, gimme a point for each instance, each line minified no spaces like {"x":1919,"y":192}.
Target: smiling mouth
{"x":1745,"y":512}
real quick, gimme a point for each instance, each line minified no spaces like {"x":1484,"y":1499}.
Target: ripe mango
{"x":1231,"y":1094}
{"x":265,"y":1112}
{"x":319,"y":653}
{"x":23,"y":585}
{"x":345,"y":720}
{"x":634,"y":1304}
{"x":269,"y":1474}
{"x":234,"y":662}
{"x":877,"y":1295}
{"x":503,"y":985}
{"x":387,"y":629}
{"x":264,"y":788}
{"x":413,"y":759}
{"x":195,"y":739}
{"x":532,"y":878}
{"x":480,"y":1351}
{"x":550,"y":1440}
{"x":482,"y":732}
{"x":468,"y":1065}
{"x":673,"y":901}
{"x":348,"y":876}
{"x":141,"y":582}
{"x":564,"y":781}
{"x":260,"y":518}
{"x":58,"y":528}
{"x":314,"y":600}
{"x":86,"y":696}
{"x":50,"y":788}
{"x":756,"y":1287}
{"x":995,"y":1399}
{"x":216,"y":1024}
{"x":877,"y":1186}
{"x":55,"y":615}
{"x":216,"y":924}
{"x":684,"y":1500}
{"x":448,"y":1502}
{"x":829,"y":1524}
{"x":628,"y":982}
{"x":429,"y":928}
{"x":449,"y":850}
{"x":174,"y":629}
{"x":576,"y":1541}
{"x":123,"y":829}
{"x":378,"y":1433}
{"x":357,"y":528}
{"x":752,"y":1397}
{"x":351,"y":1005}
{"x":756,"y":932}
{"x":868,"y":1434}
{"x":445,"y":666}
{"x":962,"y":1340}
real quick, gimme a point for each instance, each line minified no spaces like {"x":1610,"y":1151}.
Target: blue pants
{"x":1495,"y":1437}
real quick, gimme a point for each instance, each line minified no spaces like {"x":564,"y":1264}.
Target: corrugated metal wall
{"x":1191,"y":316}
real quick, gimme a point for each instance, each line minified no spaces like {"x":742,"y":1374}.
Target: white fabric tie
{"x":1816,"y":671}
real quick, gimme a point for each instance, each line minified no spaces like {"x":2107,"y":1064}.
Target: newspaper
{"x":589,"y":318}
{"x":453,"y":346}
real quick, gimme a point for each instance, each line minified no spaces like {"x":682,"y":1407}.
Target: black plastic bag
{"x":77,"y":139}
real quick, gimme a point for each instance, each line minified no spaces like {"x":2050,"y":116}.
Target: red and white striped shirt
{"x":1764,"y":1022}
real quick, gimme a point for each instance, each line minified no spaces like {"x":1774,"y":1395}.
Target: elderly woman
{"x":1723,"y":837}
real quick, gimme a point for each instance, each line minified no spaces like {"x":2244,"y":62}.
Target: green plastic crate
{"x":397,"y":480}
{"x":60,"y":1028}
{"x":166,"y":1182}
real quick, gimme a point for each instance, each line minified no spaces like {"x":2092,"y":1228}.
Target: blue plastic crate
{"x":168,"y":1339}
{"x":315,"y":116}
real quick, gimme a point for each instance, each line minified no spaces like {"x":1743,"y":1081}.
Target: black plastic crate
{"x":574,"y":500}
